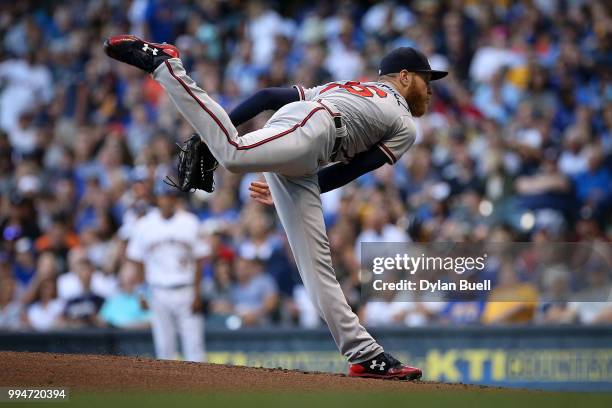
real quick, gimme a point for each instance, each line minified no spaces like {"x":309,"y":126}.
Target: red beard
{"x":417,"y":101}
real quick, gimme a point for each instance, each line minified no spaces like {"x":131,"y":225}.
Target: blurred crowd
{"x":517,"y":147}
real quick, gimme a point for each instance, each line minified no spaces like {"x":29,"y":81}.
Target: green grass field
{"x":489,"y":398}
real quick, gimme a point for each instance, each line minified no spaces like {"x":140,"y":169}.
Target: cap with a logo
{"x":409,"y":59}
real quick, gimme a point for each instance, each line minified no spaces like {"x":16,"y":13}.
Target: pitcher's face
{"x":419,"y":94}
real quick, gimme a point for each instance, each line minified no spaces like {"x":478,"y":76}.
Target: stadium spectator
{"x":377,"y":227}
{"x":134,"y":202}
{"x":28,"y":84}
{"x":546,"y":188}
{"x":554,"y":307}
{"x":388,"y":309}
{"x":125,"y":308}
{"x":461,"y":312}
{"x":81,"y":309}
{"x":301,"y":307}
{"x":254,"y":295}
{"x":58,"y":239}
{"x":48,"y":267}
{"x":259,"y":242}
{"x":17,"y":221}
{"x":594,"y":185}
{"x":217,"y":292}
{"x":23,"y":264}
{"x":497,"y":99}
{"x":295,"y":305}
{"x":572,"y":160}
{"x":510,"y":301}
{"x":72,"y":283}
{"x":592,"y":304}
{"x":46,"y":311}
{"x":5,"y":266}
{"x":10,"y":308}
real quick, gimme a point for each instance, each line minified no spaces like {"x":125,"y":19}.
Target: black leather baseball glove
{"x":196,"y":167}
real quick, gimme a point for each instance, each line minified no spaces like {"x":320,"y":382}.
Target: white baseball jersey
{"x":374,"y":113}
{"x":168,"y":248}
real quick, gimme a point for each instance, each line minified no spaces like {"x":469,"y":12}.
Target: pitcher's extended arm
{"x":262,"y":100}
{"x":340,"y":174}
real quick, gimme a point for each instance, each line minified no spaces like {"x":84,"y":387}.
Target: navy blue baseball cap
{"x":409,"y":59}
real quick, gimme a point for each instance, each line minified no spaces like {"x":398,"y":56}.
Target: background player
{"x":360,"y":125}
{"x":166,"y":243}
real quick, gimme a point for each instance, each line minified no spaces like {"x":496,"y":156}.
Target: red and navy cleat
{"x":139,"y":53}
{"x":384,"y":366}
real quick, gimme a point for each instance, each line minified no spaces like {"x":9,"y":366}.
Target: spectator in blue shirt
{"x":594,"y":186}
{"x":125,"y":309}
{"x":254,"y":295}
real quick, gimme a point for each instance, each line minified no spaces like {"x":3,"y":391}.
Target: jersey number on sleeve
{"x":356,"y":88}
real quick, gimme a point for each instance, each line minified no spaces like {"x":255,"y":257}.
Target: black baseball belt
{"x":338,"y":141}
{"x":338,"y":123}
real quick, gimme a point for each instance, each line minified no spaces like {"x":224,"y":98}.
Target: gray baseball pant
{"x":291,"y":147}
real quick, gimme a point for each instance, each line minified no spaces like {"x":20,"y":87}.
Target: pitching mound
{"x":111,"y":373}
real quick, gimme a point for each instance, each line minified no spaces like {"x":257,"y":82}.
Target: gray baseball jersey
{"x":290,"y":148}
{"x":375,"y":114}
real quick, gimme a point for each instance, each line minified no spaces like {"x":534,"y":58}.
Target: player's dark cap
{"x":409,"y":59}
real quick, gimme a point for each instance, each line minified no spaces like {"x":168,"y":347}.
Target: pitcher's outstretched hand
{"x":260,"y":192}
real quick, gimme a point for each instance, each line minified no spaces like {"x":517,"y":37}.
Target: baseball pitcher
{"x":357,"y":126}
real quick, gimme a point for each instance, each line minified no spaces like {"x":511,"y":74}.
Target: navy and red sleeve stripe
{"x":301,"y":92}
{"x":391,"y":159}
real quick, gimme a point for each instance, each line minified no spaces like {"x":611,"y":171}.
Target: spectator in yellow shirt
{"x":511,"y":301}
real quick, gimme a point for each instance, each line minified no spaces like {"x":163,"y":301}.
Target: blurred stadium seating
{"x":517,"y":146}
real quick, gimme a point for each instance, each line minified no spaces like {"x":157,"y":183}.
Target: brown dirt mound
{"x":113,"y":373}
